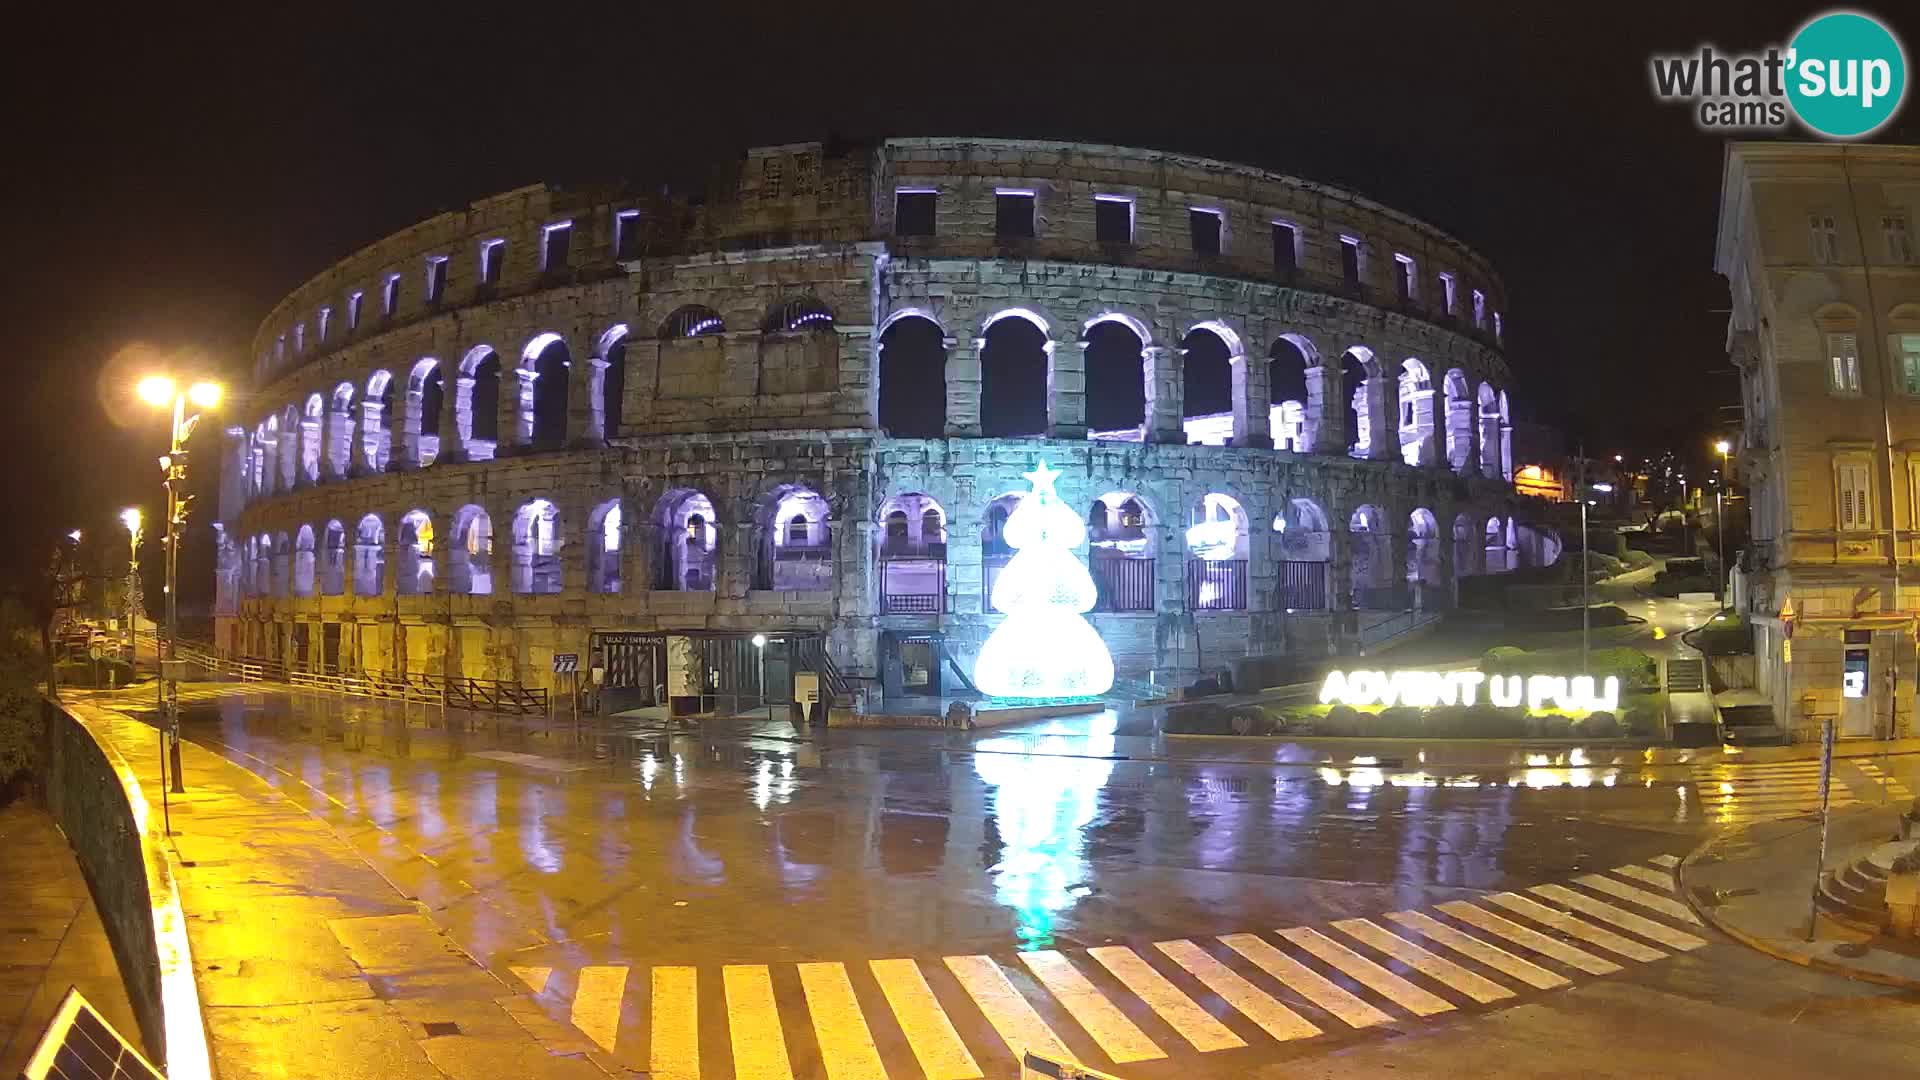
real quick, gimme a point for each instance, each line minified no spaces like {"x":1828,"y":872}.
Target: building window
{"x":1286,"y":247}
{"x":556,"y":245}
{"x":1449,"y":294}
{"x":1479,"y":310}
{"x":1826,"y":238}
{"x":1350,"y":261}
{"x":299,"y":338}
{"x":1907,"y":346}
{"x":354,"y":300}
{"x":1899,"y":239}
{"x":770,"y":177}
{"x":913,"y":211}
{"x":280,"y":348}
{"x":492,"y":254}
{"x":1113,"y":219}
{"x":1855,"y":483}
{"x":1013,"y":214}
{"x":1207,"y":228}
{"x":626,"y":234}
{"x":1499,"y":328}
{"x":436,"y":278}
{"x":1404,"y":277}
{"x":323,"y":321}
{"x":1843,"y":364}
{"x":390,"y":296}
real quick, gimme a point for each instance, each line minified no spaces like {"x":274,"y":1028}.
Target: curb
{"x":1812,"y":963}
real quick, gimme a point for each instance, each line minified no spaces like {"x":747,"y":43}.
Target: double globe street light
{"x":161,"y":391}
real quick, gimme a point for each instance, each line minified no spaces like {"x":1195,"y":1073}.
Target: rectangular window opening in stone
{"x":1825,"y":238}
{"x":354,"y":301}
{"x":626,"y":234}
{"x":323,"y":321}
{"x":1479,"y":310}
{"x":913,"y":212}
{"x":1843,"y":364}
{"x":1499,"y":327}
{"x":1908,"y":346}
{"x":1013,"y":214}
{"x":1113,"y":219}
{"x":390,"y":296}
{"x":1350,"y":260}
{"x":1403,"y":277}
{"x":1899,"y":239}
{"x":1449,"y":293}
{"x":492,"y":254}
{"x":436,"y":278}
{"x":1286,"y":247}
{"x":556,"y":246}
{"x":299,"y":338}
{"x":1855,"y":496}
{"x":1206,"y":228}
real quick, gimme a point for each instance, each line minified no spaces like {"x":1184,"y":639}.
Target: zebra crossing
{"x":190,"y":693}
{"x":969,"y":1017}
{"x":1733,"y":794}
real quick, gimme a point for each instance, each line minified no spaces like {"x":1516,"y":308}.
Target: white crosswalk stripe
{"x":1736,"y":793}
{"x":889,"y":1018}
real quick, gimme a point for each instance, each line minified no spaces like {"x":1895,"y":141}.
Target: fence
{"x":1303,"y":586}
{"x":1217,"y":586}
{"x":1124,"y":584}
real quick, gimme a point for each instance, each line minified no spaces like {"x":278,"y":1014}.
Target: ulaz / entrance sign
{"x":1425,"y":689}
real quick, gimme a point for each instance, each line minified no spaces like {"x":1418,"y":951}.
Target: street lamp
{"x":160,"y":391}
{"x":131,"y":518}
{"x":1720,"y":523}
{"x":1585,"y":605}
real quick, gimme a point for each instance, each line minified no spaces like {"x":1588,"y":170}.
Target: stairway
{"x":1857,"y":892}
{"x":1687,"y":674}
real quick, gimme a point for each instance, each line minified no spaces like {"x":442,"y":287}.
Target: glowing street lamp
{"x":1720,"y":523}
{"x":161,"y":391}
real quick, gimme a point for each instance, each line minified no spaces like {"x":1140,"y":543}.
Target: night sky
{"x":168,"y":181}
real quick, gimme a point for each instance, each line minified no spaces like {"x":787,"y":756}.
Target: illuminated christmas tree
{"x":1045,"y":648}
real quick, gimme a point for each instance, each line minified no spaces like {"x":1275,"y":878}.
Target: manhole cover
{"x":437,"y":1028}
{"x":1852,"y":950}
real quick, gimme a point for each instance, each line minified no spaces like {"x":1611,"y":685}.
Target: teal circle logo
{"x":1848,"y":75}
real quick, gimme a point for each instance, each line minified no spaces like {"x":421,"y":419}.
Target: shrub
{"x":1642,"y":719}
{"x":1398,"y":723}
{"x":1340,"y":720}
{"x":1633,"y":667}
{"x":19,"y":699}
{"x":1600,"y":725}
{"x":1249,"y":720}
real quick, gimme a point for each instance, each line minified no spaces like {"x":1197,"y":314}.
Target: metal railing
{"x":1217,"y":586}
{"x":1303,"y":586}
{"x":479,"y":695}
{"x":1124,"y":584}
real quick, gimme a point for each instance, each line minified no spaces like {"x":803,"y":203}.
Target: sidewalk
{"x":308,"y":961}
{"x":1756,"y":885}
{"x":51,"y":937}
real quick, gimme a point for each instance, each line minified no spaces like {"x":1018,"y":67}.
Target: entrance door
{"x":330,"y":646}
{"x":1856,"y":693}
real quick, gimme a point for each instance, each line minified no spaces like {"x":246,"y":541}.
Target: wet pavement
{"x":767,"y":866}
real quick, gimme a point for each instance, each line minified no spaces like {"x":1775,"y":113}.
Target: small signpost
{"x":568,"y":664}
{"x":1826,"y":790}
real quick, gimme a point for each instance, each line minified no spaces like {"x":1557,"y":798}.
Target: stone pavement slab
{"x":310,"y":962}
{"x":51,"y":937}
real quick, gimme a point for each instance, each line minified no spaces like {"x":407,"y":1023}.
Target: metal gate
{"x":634,"y":662}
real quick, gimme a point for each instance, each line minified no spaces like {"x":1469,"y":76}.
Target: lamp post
{"x":130,"y":517}
{"x":1585,"y":606}
{"x":159,"y":390}
{"x":1720,"y":523}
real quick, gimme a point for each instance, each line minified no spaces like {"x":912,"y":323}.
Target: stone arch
{"x":606,"y":539}
{"x":912,"y":396}
{"x":1218,"y":542}
{"x":340,"y":426}
{"x":420,"y":418}
{"x":912,"y":542}
{"x":312,"y":434}
{"x":1206,"y":384}
{"x":476,"y":406}
{"x":1370,"y":566}
{"x":333,"y":559}
{"x":692,"y":320}
{"x":1294,"y":412}
{"x":1118,"y":374}
{"x":795,"y":550}
{"x":1123,"y":540}
{"x":376,"y":438}
{"x":470,"y":552}
{"x":414,"y":574}
{"x":1506,"y":440}
{"x":268,"y":437}
{"x":1305,"y":548}
{"x":1016,"y":362}
{"x":290,"y":436}
{"x":689,"y":534}
{"x":282,"y":563}
{"x":1489,"y":431}
{"x":546,"y":367}
{"x":303,"y":561}
{"x":1497,"y":546}
{"x":369,"y":557}
{"x":607,"y":385}
{"x":801,"y":314}
{"x":1425,"y":571}
{"x":1466,"y":546}
{"x":1459,"y":421}
{"x":1367,"y":395}
{"x":1417,"y":421}
{"x":537,"y":541}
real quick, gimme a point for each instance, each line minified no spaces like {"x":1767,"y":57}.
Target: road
{"x":714,"y":905}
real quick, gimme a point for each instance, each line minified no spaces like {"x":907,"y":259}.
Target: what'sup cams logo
{"x":1843,"y":76}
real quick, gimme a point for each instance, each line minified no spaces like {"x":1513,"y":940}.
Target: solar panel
{"x":80,"y":1045}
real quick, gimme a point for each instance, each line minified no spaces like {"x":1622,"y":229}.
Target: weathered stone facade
{"x":419,"y":492}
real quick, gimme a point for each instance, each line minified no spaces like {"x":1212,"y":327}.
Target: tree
{"x":1045,"y":648}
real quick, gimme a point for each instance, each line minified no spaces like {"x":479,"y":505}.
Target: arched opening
{"x":427,"y":394}
{"x":259,"y":565}
{"x":1305,"y":547}
{"x":470,"y":556}
{"x":414,"y":575}
{"x":603,"y":547}
{"x":1489,"y":431}
{"x":799,"y":315}
{"x":1217,"y":543}
{"x":1013,"y":377}
{"x":1416,"y":413}
{"x":1424,"y":573}
{"x":267,"y":448}
{"x":1356,"y":368}
{"x":913,"y":555}
{"x":995,"y":552}
{"x":370,"y":557}
{"x":288,"y":465}
{"x":613,"y":381}
{"x":547,"y":358}
{"x":692,"y":320}
{"x":376,"y":440}
{"x":340,"y":432}
{"x":1116,"y":381}
{"x":1288,"y":418}
{"x":1371,"y":573}
{"x":303,"y":564}
{"x":1506,"y":450}
{"x":1459,"y":421}
{"x":913,"y":379}
{"x":1466,"y":546}
{"x":333,"y":559}
{"x":1206,"y":379}
{"x":1496,"y":547}
{"x":689,"y":540}
{"x":311,"y":429}
{"x":536,"y":548}
{"x":282,"y":564}
{"x":796,"y":542}
{"x":480,"y":433}
{"x":1122,"y":543}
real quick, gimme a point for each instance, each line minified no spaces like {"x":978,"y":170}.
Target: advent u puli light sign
{"x":1425,"y":689}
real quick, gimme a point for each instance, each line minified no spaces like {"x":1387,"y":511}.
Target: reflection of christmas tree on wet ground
{"x":1045,"y":648}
